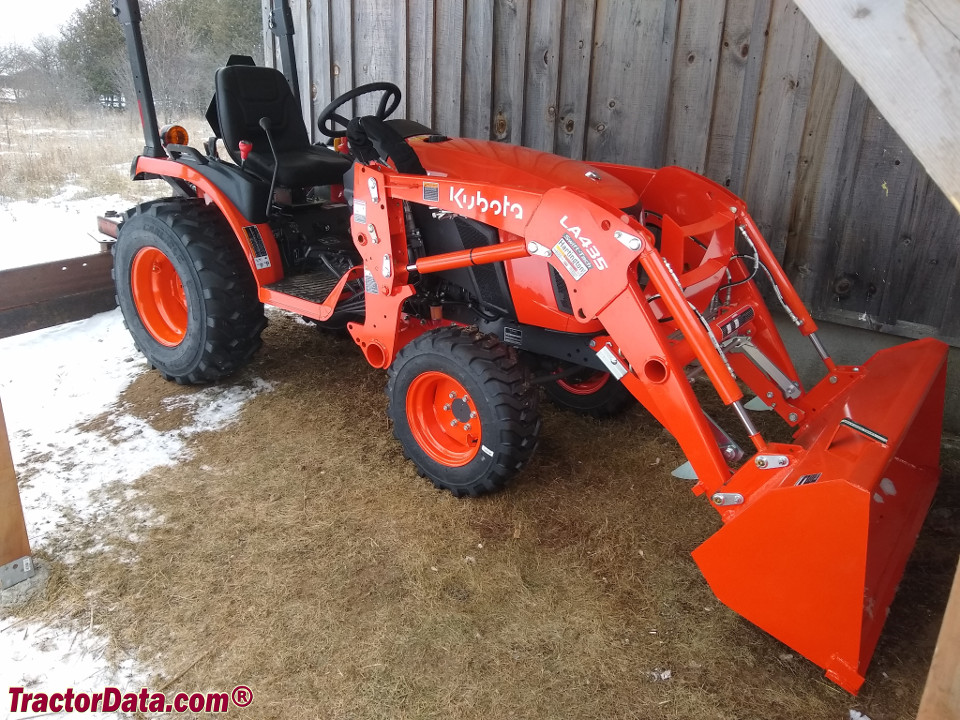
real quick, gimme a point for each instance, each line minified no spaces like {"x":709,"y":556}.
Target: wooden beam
{"x":15,"y":561}
{"x":40,"y":296}
{"x":941,"y":696}
{"x":904,"y":54}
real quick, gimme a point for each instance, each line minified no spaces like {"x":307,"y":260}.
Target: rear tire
{"x":476,"y":441}
{"x":590,"y":392}
{"x":186,"y":291}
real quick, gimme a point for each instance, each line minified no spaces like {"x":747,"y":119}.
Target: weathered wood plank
{"x":695,"y":67}
{"x":321,"y":61}
{"x":941,"y":695}
{"x":448,"y":73}
{"x":630,"y":81}
{"x":576,"y":53}
{"x":901,"y":329}
{"x":510,"y":22}
{"x":922,"y":267}
{"x":542,"y":75}
{"x":781,"y":114}
{"x":341,"y":45}
{"x":477,"y":69}
{"x":893,"y":256}
{"x":738,"y":78}
{"x":14,"y":543}
{"x":269,"y":49}
{"x":305,"y":51}
{"x":379,"y":49}
{"x":420,"y":61}
{"x":904,"y":54}
{"x":821,"y":175}
{"x":44,"y":295}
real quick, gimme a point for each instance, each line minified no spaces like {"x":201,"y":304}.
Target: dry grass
{"x":41,"y":155}
{"x":302,"y":556}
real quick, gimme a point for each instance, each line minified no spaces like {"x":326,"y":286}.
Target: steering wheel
{"x":388,"y":103}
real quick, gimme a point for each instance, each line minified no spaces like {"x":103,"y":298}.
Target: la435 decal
{"x":593,"y":252}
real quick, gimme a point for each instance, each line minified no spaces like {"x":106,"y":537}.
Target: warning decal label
{"x":260,"y":258}
{"x":359,"y":211}
{"x":572,"y":257}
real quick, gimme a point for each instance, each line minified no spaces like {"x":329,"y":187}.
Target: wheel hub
{"x":461,"y":409}
{"x":159,"y":297}
{"x":443,"y":418}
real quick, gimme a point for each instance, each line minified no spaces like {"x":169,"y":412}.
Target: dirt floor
{"x":301,"y":555}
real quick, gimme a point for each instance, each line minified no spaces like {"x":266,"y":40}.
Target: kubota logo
{"x":592,"y":250}
{"x":481,"y":203}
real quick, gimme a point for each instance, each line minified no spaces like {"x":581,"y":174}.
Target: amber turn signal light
{"x":174,"y":135}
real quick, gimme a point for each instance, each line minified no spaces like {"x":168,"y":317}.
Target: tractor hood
{"x":520,"y":167}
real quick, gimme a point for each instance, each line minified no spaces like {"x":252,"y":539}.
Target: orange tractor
{"x":476,"y":273}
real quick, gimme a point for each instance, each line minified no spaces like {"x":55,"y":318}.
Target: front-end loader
{"x":475,"y":272}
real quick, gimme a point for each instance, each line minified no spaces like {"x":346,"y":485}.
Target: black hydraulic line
{"x":281,"y":22}
{"x":128,"y":13}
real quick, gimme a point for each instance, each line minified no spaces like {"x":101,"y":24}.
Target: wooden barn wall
{"x":743,"y":91}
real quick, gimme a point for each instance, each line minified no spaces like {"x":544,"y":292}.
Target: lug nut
{"x":453,"y":395}
{"x":467,"y":427}
{"x":453,"y":423}
{"x":473,"y":414}
{"x":446,"y":408}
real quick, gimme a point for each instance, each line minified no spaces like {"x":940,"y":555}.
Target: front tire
{"x":186,"y":291}
{"x":463,"y":409}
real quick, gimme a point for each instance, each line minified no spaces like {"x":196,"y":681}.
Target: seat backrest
{"x":247,"y":93}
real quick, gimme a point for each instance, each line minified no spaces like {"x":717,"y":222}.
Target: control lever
{"x":266,"y":124}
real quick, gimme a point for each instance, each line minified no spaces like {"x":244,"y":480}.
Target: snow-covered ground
{"x":57,"y":228}
{"x":51,"y":381}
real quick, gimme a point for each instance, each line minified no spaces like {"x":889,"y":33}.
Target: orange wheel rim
{"x":585,"y":386}
{"x":159,"y":297}
{"x":443,"y":419}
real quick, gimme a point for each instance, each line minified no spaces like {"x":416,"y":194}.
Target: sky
{"x":23,"y":21}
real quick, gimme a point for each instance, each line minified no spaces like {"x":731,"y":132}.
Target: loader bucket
{"x":815,"y":552}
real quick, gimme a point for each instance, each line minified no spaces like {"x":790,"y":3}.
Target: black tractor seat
{"x":247,"y":93}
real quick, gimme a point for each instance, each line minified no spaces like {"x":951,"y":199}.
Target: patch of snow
{"x":52,"y":382}
{"x":58,"y":228}
{"x":46,"y":659}
{"x":57,"y":379}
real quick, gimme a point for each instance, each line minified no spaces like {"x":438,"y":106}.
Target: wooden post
{"x":15,"y":561}
{"x":941,"y":696}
